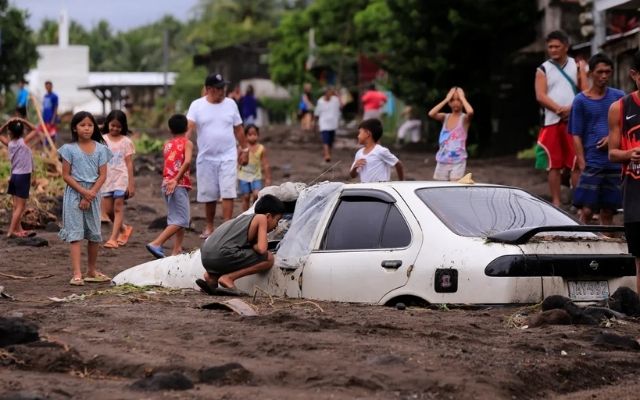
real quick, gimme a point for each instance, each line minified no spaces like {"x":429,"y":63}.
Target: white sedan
{"x":433,"y":242}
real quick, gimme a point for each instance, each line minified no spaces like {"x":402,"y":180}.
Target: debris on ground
{"x":226,"y":374}
{"x":173,"y":380}
{"x":236,"y":305}
{"x":17,"y":331}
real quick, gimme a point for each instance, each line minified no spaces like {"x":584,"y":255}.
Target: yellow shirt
{"x":253,"y":170}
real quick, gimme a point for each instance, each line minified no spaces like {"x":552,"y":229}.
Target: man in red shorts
{"x":557,"y":82}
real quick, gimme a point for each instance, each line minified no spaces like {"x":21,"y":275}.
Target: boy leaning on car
{"x":624,"y":147}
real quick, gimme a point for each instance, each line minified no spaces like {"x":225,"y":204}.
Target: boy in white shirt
{"x":373,"y":162}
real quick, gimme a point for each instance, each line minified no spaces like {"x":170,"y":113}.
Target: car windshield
{"x":480,"y":211}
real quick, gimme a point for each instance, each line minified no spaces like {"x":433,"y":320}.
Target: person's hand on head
{"x":460,"y":92}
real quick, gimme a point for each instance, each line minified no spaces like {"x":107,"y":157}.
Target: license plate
{"x":588,"y":290}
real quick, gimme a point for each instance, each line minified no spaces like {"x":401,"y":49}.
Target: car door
{"x":368,"y":248}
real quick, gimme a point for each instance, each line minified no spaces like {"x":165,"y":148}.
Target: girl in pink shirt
{"x":120,"y":182}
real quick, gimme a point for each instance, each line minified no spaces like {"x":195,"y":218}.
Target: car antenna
{"x":324,"y":172}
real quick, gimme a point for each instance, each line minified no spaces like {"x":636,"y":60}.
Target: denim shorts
{"x":116,"y":194}
{"x":246,"y":187}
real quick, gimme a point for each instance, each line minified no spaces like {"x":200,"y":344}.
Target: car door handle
{"x":392,"y":264}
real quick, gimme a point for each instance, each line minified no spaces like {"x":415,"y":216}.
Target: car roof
{"x":413,"y":185}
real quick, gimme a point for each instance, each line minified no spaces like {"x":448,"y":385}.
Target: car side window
{"x":396,"y":233}
{"x":366,"y":223}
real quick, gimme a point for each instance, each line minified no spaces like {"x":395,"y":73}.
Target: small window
{"x":396,"y":232}
{"x":366,"y":223}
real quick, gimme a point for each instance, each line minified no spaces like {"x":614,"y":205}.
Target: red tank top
{"x":173,"y":159}
{"x":630,"y":135}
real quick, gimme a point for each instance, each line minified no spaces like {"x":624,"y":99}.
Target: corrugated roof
{"x":97,"y":79}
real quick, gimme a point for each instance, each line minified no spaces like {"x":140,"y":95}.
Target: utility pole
{"x":599,"y":30}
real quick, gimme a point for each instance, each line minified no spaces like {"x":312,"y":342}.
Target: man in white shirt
{"x":216,"y":120}
{"x":328,"y":113}
{"x":373,"y":162}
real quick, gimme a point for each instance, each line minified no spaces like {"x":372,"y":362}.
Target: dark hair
{"x":249,"y":90}
{"x":599,"y":58}
{"x":374,"y":126}
{"x":178,"y":124}
{"x":48,"y":83}
{"x":75,"y":120}
{"x":557,"y":35}
{"x":118,"y":116}
{"x":636,"y":61}
{"x":252,"y":126}
{"x":16,"y":129}
{"x":269,"y":204}
{"x":371,"y":86}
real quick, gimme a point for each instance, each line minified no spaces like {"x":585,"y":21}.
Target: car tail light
{"x":446,"y":280}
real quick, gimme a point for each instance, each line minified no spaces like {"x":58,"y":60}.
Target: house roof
{"x":128,"y":79}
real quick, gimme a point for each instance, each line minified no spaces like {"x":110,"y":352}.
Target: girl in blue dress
{"x":84,"y":170}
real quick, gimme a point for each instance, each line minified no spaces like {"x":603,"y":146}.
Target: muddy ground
{"x":106,"y":339}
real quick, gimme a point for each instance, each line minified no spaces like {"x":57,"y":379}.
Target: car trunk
{"x":577,"y":267}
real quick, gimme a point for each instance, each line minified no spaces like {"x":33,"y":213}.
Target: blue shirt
{"x":85,"y":167}
{"x":49,"y":105}
{"x":23,"y":97}
{"x":590,"y":120}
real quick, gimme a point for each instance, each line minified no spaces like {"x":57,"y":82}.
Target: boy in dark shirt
{"x":238,"y":247}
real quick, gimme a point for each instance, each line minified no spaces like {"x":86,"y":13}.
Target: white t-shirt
{"x":214,"y":125}
{"x":328,"y":113}
{"x":378,"y":166}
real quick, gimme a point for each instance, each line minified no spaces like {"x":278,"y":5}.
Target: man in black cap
{"x":216,"y":120}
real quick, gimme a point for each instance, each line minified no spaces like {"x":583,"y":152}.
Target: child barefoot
{"x":119,"y":181}
{"x":239,"y":247}
{"x":84,"y":170}
{"x":250,"y":175}
{"x":452,"y":155}
{"x":21,"y":168}
{"x":176,"y":185}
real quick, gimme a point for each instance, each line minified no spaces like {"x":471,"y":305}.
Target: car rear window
{"x":482,"y":211}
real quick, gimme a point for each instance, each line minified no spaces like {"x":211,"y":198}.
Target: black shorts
{"x":19,"y":185}
{"x":21,"y":111}
{"x":632,"y":232}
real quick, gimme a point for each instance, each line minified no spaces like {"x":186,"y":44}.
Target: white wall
{"x":67,"y":68}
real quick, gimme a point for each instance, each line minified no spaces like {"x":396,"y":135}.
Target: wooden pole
{"x":53,"y":150}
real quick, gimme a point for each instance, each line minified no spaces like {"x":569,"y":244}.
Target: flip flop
{"x":205,"y":287}
{"x":156,"y":251}
{"x":76,"y":282}
{"x":100,"y":277}
{"x":23,"y":234}
{"x":123,"y":238}
{"x":110,"y":244}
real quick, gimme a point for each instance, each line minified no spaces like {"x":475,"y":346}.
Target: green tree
{"x":17,"y":49}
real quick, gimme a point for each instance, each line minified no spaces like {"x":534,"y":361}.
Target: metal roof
{"x":127,"y":79}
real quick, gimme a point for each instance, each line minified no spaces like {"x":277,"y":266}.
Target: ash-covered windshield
{"x":480,"y":211}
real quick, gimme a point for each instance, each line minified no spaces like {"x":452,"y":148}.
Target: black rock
{"x":29,"y":241}
{"x":401,"y":306}
{"x":163,"y":381}
{"x":614,"y":341}
{"x":231,"y":373}
{"x":626,"y":301}
{"x":17,"y":331}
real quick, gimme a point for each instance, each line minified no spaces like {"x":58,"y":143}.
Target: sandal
{"x":123,"y":238}
{"x":100,"y":277}
{"x":205,"y":287}
{"x":76,"y":282}
{"x":156,"y":251}
{"x":110,"y":244}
